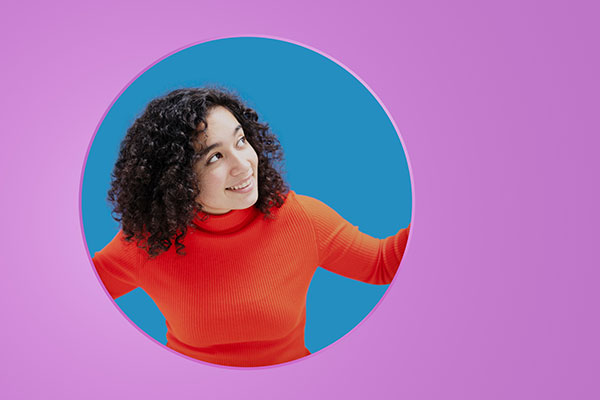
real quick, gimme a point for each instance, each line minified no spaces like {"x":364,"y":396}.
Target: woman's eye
{"x":214,"y":158}
{"x":242,"y":141}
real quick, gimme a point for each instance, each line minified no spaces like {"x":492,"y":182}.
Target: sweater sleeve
{"x":346,"y":251}
{"x":117,"y":265}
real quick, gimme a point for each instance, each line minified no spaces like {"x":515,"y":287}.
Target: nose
{"x":240,"y":165}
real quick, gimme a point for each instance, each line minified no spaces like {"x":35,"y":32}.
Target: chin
{"x":249,"y":202}
{"x":254,"y":199}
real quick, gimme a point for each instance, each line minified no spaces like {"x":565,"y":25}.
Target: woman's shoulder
{"x":120,"y":248}
{"x":308,"y":204}
{"x":296,"y":198}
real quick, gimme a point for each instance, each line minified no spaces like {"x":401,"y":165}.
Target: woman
{"x":213,"y":235}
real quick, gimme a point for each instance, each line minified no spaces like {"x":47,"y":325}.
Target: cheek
{"x":254,"y":157}
{"x":211,"y":182}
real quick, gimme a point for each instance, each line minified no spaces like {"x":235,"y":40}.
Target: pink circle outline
{"x":259,"y":36}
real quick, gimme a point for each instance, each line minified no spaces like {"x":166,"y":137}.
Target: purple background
{"x":498,"y":294}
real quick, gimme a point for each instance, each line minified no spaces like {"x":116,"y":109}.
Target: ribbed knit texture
{"x":238,"y":296}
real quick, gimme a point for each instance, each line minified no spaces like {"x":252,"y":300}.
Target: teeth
{"x":243,"y":185}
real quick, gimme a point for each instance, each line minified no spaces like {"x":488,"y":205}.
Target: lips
{"x":241,"y":185}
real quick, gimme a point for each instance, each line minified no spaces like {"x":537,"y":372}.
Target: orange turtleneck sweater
{"x":238,"y":296}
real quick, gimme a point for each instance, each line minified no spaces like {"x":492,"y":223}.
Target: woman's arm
{"x":345,"y":250}
{"x":118,"y":265}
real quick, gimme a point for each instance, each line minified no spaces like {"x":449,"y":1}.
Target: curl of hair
{"x":154,"y":185}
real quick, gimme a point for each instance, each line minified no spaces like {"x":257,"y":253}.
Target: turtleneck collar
{"x":229,"y":222}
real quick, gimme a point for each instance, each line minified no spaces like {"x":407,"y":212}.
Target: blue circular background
{"x":340,"y":148}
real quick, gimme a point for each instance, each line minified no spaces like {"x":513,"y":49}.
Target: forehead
{"x":218,"y":119}
{"x":220,"y":124}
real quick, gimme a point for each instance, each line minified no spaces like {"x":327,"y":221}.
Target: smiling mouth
{"x":242,"y":185}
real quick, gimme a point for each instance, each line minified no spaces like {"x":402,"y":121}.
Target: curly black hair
{"x":154,"y":185}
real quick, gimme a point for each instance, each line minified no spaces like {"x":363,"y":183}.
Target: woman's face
{"x":228,"y":166}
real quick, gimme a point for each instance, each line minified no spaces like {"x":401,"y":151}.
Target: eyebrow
{"x":207,"y":150}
